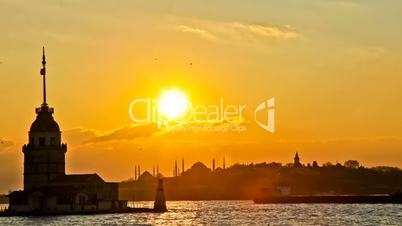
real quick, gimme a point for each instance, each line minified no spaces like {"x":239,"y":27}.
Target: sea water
{"x":233,"y":213}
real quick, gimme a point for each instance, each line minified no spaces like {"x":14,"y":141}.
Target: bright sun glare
{"x":173,"y":104}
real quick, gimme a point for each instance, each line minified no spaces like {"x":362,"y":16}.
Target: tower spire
{"x":43,"y":73}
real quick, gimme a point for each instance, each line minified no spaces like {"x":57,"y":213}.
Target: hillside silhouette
{"x":242,"y":181}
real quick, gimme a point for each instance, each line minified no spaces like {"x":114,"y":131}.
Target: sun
{"x":173,"y":104}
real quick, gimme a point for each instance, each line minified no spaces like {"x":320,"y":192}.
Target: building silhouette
{"x":47,"y":187}
{"x":296,"y":162}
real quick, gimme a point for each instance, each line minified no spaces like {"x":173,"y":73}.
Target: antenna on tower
{"x":43,"y":73}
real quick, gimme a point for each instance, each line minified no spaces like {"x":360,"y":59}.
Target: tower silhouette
{"x":160,"y":201}
{"x":44,"y":155}
{"x":296,"y":162}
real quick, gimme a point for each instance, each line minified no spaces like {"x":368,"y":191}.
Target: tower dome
{"x":44,"y":121}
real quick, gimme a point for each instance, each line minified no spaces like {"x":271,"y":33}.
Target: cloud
{"x":79,"y":135}
{"x":84,"y":136}
{"x":197,"y":31}
{"x":266,"y":31}
{"x":365,"y":54}
{"x":237,"y":31}
{"x":343,"y":3}
{"x":128,"y":133}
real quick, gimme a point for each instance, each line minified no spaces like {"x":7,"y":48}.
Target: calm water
{"x":234,"y":213}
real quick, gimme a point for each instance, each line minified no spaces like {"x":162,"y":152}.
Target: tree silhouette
{"x":353,"y":164}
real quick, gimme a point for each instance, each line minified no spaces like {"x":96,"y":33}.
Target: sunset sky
{"x":333,"y":67}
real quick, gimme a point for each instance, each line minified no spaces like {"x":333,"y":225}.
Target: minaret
{"x":175,"y":168}
{"x":44,"y":155}
{"x":182,"y":166}
{"x":135,"y":175}
{"x":224,"y":163}
{"x":297,"y":161}
{"x":213,"y":164}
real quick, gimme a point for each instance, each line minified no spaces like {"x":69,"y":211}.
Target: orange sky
{"x":333,"y":67}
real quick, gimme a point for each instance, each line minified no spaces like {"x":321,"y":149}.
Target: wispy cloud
{"x":195,"y":30}
{"x":81,"y":136}
{"x":84,"y":136}
{"x":365,"y":54}
{"x":128,"y":133}
{"x":343,"y":3}
{"x":237,"y":31}
{"x":266,"y":31}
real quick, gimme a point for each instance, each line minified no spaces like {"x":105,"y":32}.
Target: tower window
{"x":41,"y":141}
{"x":53,"y":140}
